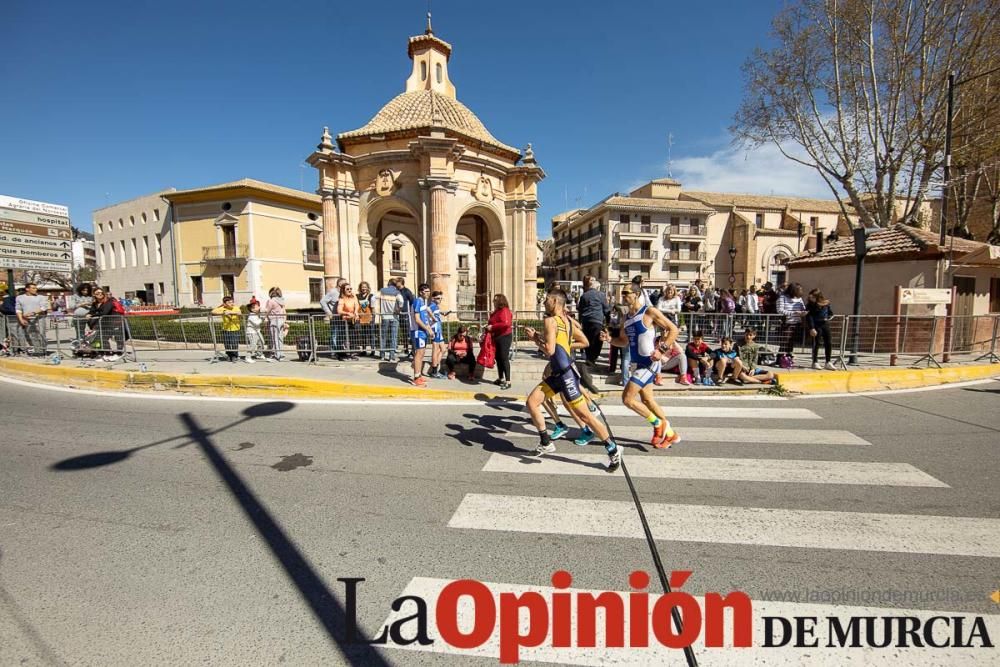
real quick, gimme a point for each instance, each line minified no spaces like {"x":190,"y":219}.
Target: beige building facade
{"x":427,"y":169}
{"x":134,"y":248}
{"x":665,"y":234}
{"x":244,"y":237}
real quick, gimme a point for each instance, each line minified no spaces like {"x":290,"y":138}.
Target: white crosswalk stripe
{"x":692,"y":467}
{"x":737,"y":435}
{"x":712,"y":412}
{"x":862,"y":531}
{"x":430,"y":588}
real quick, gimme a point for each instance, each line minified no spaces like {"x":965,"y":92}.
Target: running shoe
{"x":685,"y":380}
{"x":420,"y":381}
{"x":659,"y":434}
{"x":558,"y":431}
{"x":829,"y":366}
{"x":547,"y":448}
{"x":614,"y":460}
{"x":585,"y":437}
{"x":668,"y":442}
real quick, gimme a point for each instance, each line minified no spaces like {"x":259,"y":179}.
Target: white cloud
{"x":761,"y":171}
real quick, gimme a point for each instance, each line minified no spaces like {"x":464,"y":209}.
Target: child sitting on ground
{"x":727,"y":362}
{"x":749,"y":353}
{"x":699,"y":358}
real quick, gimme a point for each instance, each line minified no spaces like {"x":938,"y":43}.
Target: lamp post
{"x":861,"y":248}
{"x":732,"y":265}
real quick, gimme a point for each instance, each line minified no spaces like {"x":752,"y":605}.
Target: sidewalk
{"x":192,"y":371}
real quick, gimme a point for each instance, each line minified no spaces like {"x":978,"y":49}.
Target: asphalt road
{"x":174,"y":532}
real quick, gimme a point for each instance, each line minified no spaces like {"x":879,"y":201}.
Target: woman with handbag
{"x":501,"y":330}
{"x":348,"y":309}
{"x":366,"y":318}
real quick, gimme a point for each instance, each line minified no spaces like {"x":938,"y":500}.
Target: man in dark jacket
{"x":593,"y":311}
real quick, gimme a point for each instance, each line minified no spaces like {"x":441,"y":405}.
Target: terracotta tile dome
{"x":414,"y":110}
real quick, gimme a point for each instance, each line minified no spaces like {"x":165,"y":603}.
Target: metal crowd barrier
{"x":868,"y":339}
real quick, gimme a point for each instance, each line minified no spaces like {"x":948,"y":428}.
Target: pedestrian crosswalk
{"x":579,"y":514}
{"x":698,"y":467}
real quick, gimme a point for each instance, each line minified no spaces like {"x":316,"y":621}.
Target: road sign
{"x":27,"y":252}
{"x":47,"y":242}
{"x":34,"y":235}
{"x":25,"y":229}
{"x":910,"y":295}
{"x":32,"y":206}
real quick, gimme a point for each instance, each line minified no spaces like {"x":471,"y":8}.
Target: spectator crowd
{"x":394,"y":323}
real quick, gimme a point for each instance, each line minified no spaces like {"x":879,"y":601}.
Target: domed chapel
{"x":425,"y":173}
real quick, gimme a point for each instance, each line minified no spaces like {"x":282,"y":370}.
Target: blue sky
{"x":109,"y":100}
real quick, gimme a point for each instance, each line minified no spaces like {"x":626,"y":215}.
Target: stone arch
{"x":380,"y":218}
{"x":483,"y":226}
{"x":377,"y":207}
{"x":776,"y":271}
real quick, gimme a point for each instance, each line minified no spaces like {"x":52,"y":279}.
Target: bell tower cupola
{"x":430,"y":63}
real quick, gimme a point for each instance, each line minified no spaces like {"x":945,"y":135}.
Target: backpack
{"x":785,"y":361}
{"x":116,"y":307}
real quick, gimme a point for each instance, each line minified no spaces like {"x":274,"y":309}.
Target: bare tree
{"x":975,"y":167}
{"x":856,"y":89}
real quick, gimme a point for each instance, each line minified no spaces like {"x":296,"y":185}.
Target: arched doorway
{"x":777,"y":266}
{"x":485,"y":240}
{"x":395,"y":242}
{"x":466,"y":273}
{"x":398,"y":258}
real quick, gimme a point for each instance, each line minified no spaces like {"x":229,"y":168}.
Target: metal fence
{"x":867,"y":340}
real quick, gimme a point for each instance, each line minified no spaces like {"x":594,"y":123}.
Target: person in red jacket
{"x":501,"y":327}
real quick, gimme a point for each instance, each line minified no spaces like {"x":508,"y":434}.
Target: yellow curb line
{"x":224,"y":385}
{"x":839,"y":382}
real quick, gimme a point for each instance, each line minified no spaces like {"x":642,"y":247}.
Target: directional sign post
{"x":35,"y":236}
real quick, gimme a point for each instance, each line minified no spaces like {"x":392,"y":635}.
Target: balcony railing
{"x":589,"y":258}
{"x":687,"y":230}
{"x":223,"y":253}
{"x":635,"y":255}
{"x":636,"y":229}
{"x":311,"y":257}
{"x":397,"y":267}
{"x":688,"y":256}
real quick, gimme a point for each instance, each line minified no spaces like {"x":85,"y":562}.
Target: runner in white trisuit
{"x":639,"y":333}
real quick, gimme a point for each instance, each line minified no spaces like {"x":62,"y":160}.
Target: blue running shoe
{"x":558,"y":431}
{"x":585,"y":437}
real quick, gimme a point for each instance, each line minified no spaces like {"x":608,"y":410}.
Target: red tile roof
{"x":896,"y":243}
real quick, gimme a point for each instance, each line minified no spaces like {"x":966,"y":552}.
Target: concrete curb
{"x":841,"y":382}
{"x":223,"y":385}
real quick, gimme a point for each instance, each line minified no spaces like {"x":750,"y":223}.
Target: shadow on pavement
{"x":42,"y":648}
{"x":320,"y":599}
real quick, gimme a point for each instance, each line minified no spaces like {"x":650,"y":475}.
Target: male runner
{"x":439,"y":344}
{"x":420,"y":332}
{"x":639,"y":333}
{"x":557,"y":343}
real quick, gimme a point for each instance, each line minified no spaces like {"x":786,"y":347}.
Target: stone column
{"x":530,"y":256}
{"x":440,"y":246}
{"x":331,"y":240}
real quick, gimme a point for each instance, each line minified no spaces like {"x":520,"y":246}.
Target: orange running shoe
{"x":659,"y":433}
{"x":669,"y":441}
{"x":420,"y":381}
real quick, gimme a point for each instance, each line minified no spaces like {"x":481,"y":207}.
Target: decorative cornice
{"x":339,"y":194}
{"x":432,"y":182}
